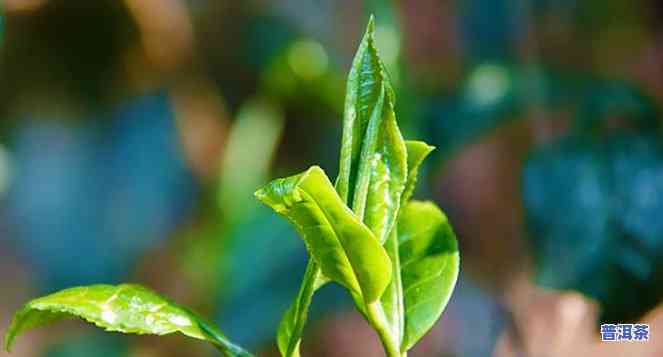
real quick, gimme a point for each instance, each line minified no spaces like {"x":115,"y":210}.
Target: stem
{"x":396,"y":286}
{"x":378,"y":320}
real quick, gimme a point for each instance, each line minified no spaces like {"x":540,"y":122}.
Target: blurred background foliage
{"x":134,"y":133}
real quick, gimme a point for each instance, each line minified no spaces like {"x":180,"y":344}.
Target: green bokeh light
{"x":308,"y":59}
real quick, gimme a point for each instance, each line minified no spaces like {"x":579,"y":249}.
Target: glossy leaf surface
{"x":373,"y":169}
{"x":123,"y":308}
{"x":429,"y":267}
{"x":392,"y":300}
{"x":363,"y":89}
{"x":382,"y":175}
{"x":417,"y":151}
{"x":292,"y":325}
{"x":345,"y":248}
{"x":373,"y":164}
{"x":378,"y":172}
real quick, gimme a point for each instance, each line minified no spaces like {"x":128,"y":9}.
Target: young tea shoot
{"x":397,"y":258}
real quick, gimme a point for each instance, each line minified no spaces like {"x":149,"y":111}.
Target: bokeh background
{"x":133,"y":133}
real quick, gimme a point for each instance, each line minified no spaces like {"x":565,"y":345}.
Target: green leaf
{"x":123,"y":308}
{"x":292,"y":325}
{"x":417,"y":151}
{"x":384,"y":169}
{"x":377,"y":174}
{"x":345,"y":248}
{"x":392,"y":299}
{"x":429,"y":267}
{"x":373,"y":163}
{"x":372,"y":168}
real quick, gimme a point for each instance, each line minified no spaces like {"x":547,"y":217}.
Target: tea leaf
{"x":300,"y":208}
{"x":382,"y":174}
{"x":417,"y":151}
{"x":373,"y":161}
{"x":292,"y":325}
{"x":378,"y":172}
{"x":123,"y":308}
{"x":392,"y":299}
{"x":429,"y":267}
{"x":345,"y":248}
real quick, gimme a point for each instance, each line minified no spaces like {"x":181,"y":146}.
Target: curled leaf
{"x":345,"y":248}
{"x":417,"y":151}
{"x":367,"y":83}
{"x":373,"y":162}
{"x":377,"y":175}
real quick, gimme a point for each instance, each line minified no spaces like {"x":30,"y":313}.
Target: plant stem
{"x":377,"y":319}
{"x":397,"y":316}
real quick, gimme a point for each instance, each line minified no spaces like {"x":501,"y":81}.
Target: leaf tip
{"x":369,"y":34}
{"x":315,"y":168}
{"x":370,"y":27}
{"x":259,"y":193}
{"x":9,"y":338}
{"x":13,"y":330}
{"x":262,"y":194}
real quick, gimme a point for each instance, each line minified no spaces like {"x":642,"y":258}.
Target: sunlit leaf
{"x":378,"y":172}
{"x":417,"y":151}
{"x":392,"y":300}
{"x":345,"y":248}
{"x":382,"y":175}
{"x":366,"y":147}
{"x":123,"y":308}
{"x":292,"y":325}
{"x":373,"y":163}
{"x":367,"y":83}
{"x":429,"y":267}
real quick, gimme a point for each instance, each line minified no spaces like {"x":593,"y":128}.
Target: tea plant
{"x":397,"y":258}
